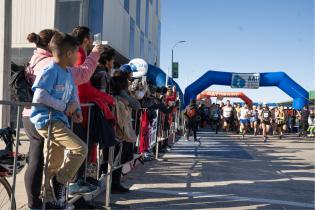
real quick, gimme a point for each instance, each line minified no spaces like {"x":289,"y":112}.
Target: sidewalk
{"x":224,"y":173}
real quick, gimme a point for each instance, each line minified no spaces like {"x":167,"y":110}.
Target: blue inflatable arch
{"x":278,"y":79}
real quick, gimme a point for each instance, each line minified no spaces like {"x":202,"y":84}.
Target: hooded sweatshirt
{"x":80,"y":74}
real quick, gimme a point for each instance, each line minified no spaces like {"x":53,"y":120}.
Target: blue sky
{"x":240,"y":36}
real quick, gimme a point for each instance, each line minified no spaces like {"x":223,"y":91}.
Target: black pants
{"x":192,"y":125}
{"x":34,"y":172}
{"x":303,"y":127}
{"x":126,"y":156}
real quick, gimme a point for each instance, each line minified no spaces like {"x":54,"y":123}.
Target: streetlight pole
{"x":173,"y":57}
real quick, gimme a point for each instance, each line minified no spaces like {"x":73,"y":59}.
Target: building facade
{"x":132,"y":27}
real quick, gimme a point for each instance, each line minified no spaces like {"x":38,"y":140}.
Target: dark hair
{"x":42,"y":39}
{"x":117,"y":84}
{"x":107,"y":55}
{"x":80,"y":33}
{"x":62,"y":42}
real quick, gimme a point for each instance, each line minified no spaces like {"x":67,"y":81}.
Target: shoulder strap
{"x":38,"y":62}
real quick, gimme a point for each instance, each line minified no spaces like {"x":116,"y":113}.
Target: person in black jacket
{"x":191,"y":114}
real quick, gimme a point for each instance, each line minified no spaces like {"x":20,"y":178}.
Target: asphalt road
{"x":225,"y":172}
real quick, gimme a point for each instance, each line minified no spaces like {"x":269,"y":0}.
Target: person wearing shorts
{"x":227,"y":113}
{"x":265,"y":120}
{"x":281,"y":121}
{"x":244,"y":120}
{"x":254,"y":119}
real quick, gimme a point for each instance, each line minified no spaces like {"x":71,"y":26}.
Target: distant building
{"x":132,"y":27}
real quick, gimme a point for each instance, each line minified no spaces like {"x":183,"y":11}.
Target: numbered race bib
{"x":266,"y":114}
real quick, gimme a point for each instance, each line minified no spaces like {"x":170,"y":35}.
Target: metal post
{"x":158,"y":132}
{"x":5,"y":58}
{"x":111,"y":153}
{"x":46,"y":183}
{"x":87,"y":140}
{"x":16,"y":154}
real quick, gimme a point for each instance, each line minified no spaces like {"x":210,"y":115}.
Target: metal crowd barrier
{"x":159,"y":134}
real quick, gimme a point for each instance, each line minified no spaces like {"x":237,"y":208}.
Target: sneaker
{"x":265,"y":139}
{"x":81,"y":188}
{"x":119,"y":189}
{"x":58,"y":205}
{"x":102,"y":181}
{"x":58,"y":190}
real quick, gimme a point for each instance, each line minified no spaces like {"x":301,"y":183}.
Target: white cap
{"x":265,"y":103}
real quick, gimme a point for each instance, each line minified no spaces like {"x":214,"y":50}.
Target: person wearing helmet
{"x":265,"y":120}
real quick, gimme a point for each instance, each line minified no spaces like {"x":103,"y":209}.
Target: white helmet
{"x":139,"y":67}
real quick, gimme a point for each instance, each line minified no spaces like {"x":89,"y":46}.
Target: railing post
{"x":87,"y":141}
{"x":46,"y":182}
{"x":111,"y":153}
{"x":16,"y":155}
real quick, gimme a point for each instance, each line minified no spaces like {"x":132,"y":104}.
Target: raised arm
{"x":84,"y":72}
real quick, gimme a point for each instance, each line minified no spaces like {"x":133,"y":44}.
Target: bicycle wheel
{"x":5,"y":195}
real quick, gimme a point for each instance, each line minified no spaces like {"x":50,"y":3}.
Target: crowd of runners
{"x":245,"y":120}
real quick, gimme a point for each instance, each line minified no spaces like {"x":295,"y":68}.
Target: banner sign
{"x":175,"y":70}
{"x":250,"y":81}
{"x":153,"y":130}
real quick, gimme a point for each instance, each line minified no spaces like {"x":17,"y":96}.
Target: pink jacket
{"x":80,"y":74}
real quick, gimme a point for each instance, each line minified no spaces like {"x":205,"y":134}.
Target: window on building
{"x":157,"y":7}
{"x":147,"y":18}
{"x":132,"y":39}
{"x":142,"y":44}
{"x":126,"y":5}
{"x":150,"y":53}
{"x":64,"y":21}
{"x":138,"y":15}
{"x":96,"y":8}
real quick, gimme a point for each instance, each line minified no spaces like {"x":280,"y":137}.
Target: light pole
{"x":173,"y":57}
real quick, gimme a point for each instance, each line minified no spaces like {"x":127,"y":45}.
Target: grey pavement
{"x":224,"y":172}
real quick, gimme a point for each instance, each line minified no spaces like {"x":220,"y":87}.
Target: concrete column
{"x":5,"y":58}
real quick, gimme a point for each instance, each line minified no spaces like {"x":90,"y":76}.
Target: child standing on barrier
{"x":55,"y":89}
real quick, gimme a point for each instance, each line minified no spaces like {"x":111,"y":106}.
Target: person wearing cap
{"x":265,"y":120}
{"x":128,"y":69}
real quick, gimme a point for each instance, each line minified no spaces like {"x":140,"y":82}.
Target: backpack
{"x":21,"y":81}
{"x":123,"y":128}
{"x":191,"y":112}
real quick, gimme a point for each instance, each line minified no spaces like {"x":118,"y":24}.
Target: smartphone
{"x":97,"y":39}
{"x":105,"y":42}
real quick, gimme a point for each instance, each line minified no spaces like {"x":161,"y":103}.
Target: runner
{"x":273,"y":121}
{"x":215,"y":117}
{"x":303,"y":117}
{"x":236,"y":123}
{"x":265,"y":120}
{"x":254,"y":119}
{"x":281,"y":120}
{"x":244,"y":120}
{"x":191,"y":114}
{"x":259,"y":125}
{"x":227,"y":116}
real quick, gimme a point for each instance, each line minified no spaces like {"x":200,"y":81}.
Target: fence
{"x":156,"y":134}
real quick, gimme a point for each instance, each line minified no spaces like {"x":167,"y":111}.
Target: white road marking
{"x":226,"y":197}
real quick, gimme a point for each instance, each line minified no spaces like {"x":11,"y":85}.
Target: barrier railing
{"x":156,"y":135}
